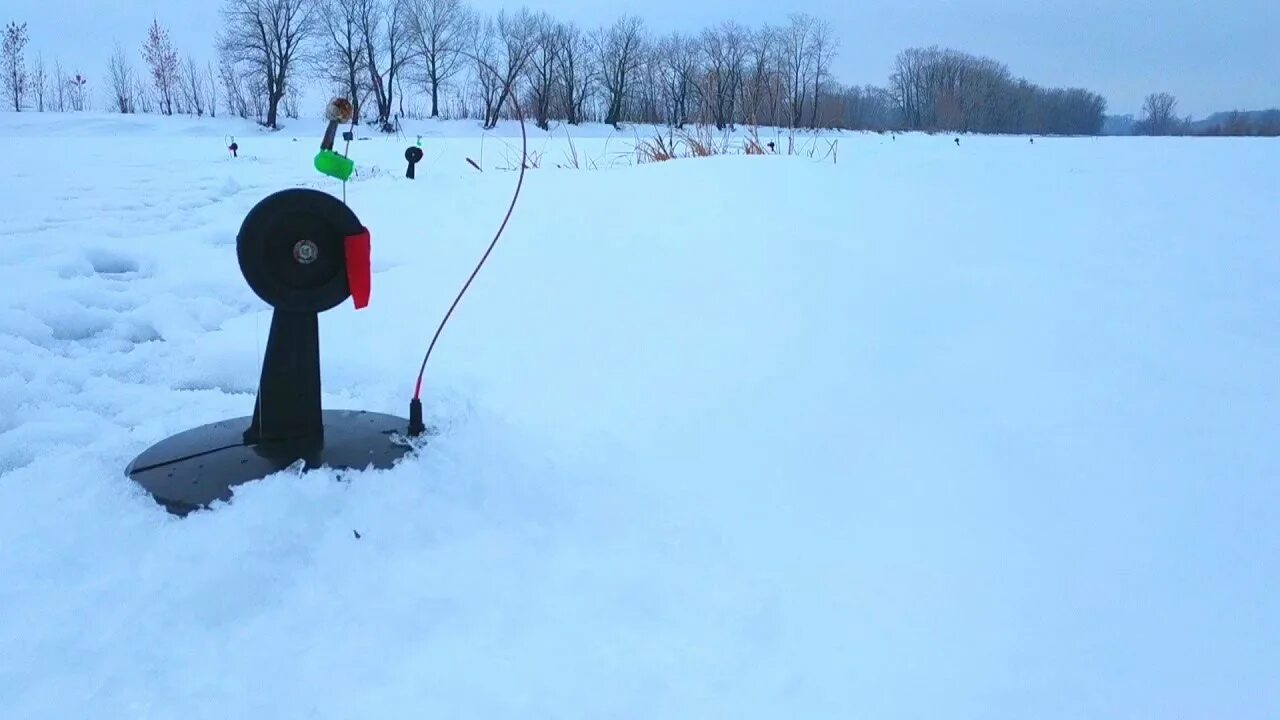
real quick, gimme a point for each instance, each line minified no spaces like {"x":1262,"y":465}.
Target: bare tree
{"x":192,"y":84}
{"x":1159,"y":115}
{"x":725,"y":47}
{"x":797,"y":55}
{"x":39,"y":82}
{"x":925,"y":81}
{"x":540,"y":71}
{"x":677,"y":59}
{"x":484,"y":54}
{"x":649,"y":102}
{"x":618,"y":55}
{"x":59,"y":88}
{"x":906,"y":85}
{"x":507,"y":46}
{"x":255,"y":93}
{"x":124,"y":88}
{"x":78,"y":92}
{"x":823,"y":51}
{"x":441,"y":31}
{"x":16,"y":81}
{"x":756,"y":89}
{"x":385,"y":31}
{"x":399,"y":93}
{"x":269,"y":37}
{"x":574,"y":72}
{"x":233,"y":85}
{"x":211,"y":85}
{"x":342,"y":59}
{"x":143,"y":101}
{"x":162,"y":65}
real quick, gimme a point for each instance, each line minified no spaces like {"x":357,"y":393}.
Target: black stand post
{"x":288,"y":405}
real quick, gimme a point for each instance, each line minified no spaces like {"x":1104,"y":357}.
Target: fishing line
{"x":416,"y":425}
{"x":346,"y":150}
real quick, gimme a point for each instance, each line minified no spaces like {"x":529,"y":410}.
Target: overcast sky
{"x":1212,"y":54}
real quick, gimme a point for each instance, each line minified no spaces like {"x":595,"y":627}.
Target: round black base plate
{"x":195,"y":468}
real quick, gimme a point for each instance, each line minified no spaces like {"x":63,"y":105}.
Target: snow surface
{"x":985,"y":431}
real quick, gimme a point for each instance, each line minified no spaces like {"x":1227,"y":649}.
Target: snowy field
{"x":987,"y":431}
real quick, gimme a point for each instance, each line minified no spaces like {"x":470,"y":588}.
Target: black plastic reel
{"x":292,"y":249}
{"x":413,"y":155}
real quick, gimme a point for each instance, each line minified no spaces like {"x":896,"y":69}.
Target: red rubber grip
{"x":359,"y":267}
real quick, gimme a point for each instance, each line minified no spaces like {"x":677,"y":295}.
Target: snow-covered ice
{"x":983,"y":431}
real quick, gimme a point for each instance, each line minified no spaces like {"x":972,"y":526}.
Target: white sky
{"x":1213,"y":54}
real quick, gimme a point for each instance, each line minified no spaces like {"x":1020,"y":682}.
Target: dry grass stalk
{"x":659,"y":149}
{"x":571,"y":157}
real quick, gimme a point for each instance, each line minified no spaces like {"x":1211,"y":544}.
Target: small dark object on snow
{"x":234,"y":148}
{"x":473,"y":164}
{"x":414,"y":155}
{"x":356,"y":533}
{"x":772,"y":147}
{"x":957,"y":142}
{"x":1033,"y":141}
{"x":303,"y":252}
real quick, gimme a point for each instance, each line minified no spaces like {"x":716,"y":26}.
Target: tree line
{"x":441,"y":58}
{"x":1238,"y":124}
{"x":1160,"y":117}
{"x":939,"y":89}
